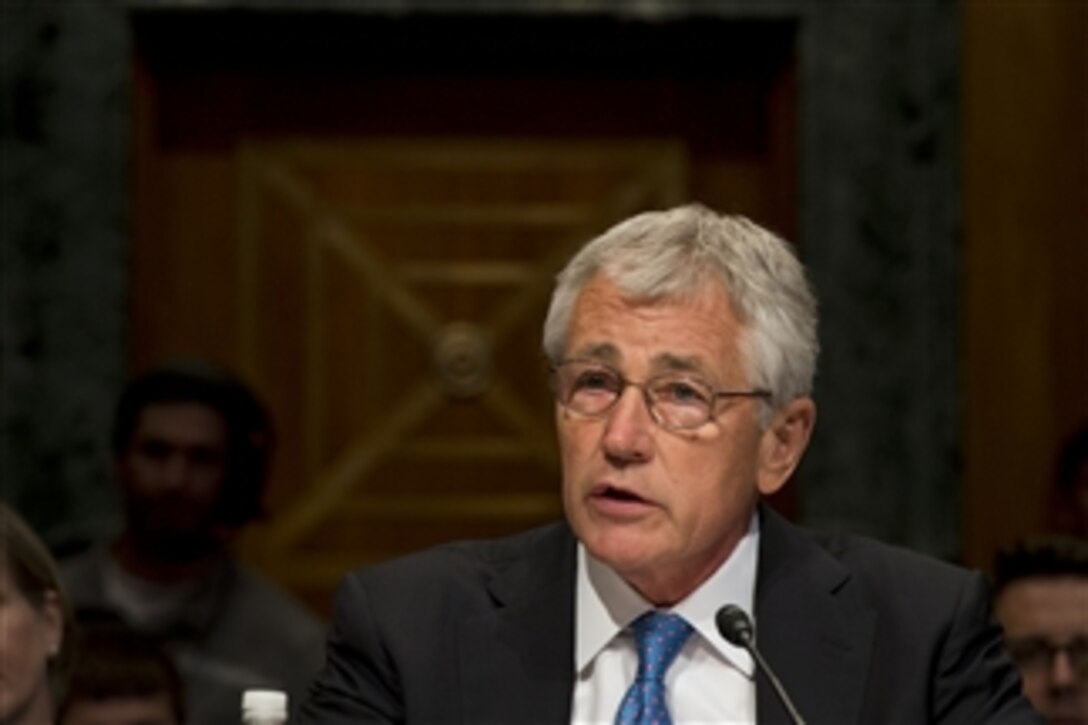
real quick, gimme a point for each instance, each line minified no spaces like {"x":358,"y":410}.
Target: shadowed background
{"x":360,"y":206}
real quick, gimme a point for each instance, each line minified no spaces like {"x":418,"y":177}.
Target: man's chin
{"x":622,"y":552}
{"x":1068,"y":716}
{"x":179,"y":549}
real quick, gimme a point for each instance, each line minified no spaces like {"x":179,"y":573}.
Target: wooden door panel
{"x":390,"y":303}
{"x":370,"y":238}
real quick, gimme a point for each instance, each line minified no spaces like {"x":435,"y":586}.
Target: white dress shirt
{"x":711,"y":681}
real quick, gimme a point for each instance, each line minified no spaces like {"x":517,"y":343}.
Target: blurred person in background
{"x":1041,"y":599}
{"x":119,"y":677}
{"x":192,"y":445}
{"x":35,"y":625}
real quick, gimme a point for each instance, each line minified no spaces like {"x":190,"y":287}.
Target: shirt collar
{"x":182,"y":610}
{"x":606,"y":604}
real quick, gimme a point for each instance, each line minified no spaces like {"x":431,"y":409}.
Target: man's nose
{"x":1062,"y":673}
{"x":628,"y":428}
{"x":174,"y":471}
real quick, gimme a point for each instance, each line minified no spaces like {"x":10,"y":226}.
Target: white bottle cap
{"x":264,"y":703}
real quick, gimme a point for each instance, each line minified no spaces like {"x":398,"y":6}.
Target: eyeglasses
{"x":679,"y":401}
{"x":1037,"y":654}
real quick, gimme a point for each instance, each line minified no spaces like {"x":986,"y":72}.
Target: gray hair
{"x":674,"y":253}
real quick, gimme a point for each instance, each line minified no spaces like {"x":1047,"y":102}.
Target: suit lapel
{"x":517,"y":661}
{"x":816,"y":630}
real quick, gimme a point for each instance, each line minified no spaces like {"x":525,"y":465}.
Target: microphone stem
{"x":775,"y":684}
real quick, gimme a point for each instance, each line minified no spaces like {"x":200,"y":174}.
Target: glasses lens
{"x":1037,"y":654}
{"x":587,"y":388}
{"x":1031,"y":653}
{"x":681,"y":402}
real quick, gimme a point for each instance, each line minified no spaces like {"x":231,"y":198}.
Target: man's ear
{"x":784,"y":442}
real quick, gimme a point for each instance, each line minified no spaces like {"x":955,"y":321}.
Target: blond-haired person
{"x":35,"y":625}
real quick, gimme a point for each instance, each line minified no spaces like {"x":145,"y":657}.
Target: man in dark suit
{"x":682,"y":346}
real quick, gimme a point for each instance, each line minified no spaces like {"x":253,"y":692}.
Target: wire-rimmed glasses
{"x":677,"y":400}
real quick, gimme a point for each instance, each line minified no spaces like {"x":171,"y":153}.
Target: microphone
{"x":734,"y":624}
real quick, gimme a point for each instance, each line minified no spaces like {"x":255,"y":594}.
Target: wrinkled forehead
{"x":705,"y":295}
{"x":694,"y":330}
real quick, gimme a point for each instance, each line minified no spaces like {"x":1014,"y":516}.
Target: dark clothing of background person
{"x":230,"y":631}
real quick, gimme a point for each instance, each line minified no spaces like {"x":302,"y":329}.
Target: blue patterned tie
{"x":659,"y":638}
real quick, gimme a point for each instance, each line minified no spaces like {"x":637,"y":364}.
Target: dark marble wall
{"x":879,"y":220}
{"x":881,"y":224}
{"x":65,"y":78}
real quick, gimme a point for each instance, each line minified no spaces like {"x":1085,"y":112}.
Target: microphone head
{"x":734,"y":624}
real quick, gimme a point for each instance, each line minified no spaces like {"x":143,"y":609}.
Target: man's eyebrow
{"x":666,"y":362}
{"x":603,"y":351}
{"x":679,"y":363}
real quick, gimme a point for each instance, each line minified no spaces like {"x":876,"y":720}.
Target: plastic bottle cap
{"x":264,"y":703}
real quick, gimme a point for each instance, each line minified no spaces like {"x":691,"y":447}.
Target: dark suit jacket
{"x":483,"y":632}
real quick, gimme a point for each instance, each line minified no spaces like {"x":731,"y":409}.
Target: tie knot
{"x":659,"y":638}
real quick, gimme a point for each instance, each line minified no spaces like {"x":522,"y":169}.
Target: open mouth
{"x":612,"y":493}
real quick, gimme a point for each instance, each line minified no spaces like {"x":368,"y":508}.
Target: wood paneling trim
{"x":1025,"y":140}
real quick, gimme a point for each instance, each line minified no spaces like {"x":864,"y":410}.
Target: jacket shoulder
{"x":893,"y":574}
{"x":465,"y":568}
